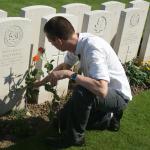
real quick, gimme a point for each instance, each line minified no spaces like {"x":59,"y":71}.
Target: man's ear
{"x":60,"y":41}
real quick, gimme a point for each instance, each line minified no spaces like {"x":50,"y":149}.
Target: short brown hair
{"x":59,"y":27}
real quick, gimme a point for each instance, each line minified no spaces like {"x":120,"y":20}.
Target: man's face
{"x":55,"y":43}
{"x":58,"y":43}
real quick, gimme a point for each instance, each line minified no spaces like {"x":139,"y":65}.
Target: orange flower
{"x":41,"y":50}
{"x":36,"y":58}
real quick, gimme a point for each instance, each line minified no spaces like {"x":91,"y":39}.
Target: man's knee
{"x":82,"y":96}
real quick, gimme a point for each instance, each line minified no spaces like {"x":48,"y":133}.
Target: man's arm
{"x":51,"y":76}
{"x":62,"y":66}
{"x":98,"y":87}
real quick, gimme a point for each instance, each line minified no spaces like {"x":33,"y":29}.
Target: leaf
{"x":48,"y":87}
{"x":48,"y":66}
{"x":34,"y":72}
{"x":56,"y":97}
{"x":52,"y":60}
{"x":40,"y":72}
{"x":36,"y":91}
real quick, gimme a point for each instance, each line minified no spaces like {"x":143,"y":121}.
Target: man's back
{"x":99,"y":61}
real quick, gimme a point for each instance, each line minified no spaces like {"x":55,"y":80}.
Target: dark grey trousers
{"x":84,"y":108}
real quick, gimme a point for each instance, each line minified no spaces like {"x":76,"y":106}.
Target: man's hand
{"x":58,"y":75}
{"x":53,"y":77}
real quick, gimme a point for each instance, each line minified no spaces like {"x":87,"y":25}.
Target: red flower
{"x":41,"y":50}
{"x":36,"y":58}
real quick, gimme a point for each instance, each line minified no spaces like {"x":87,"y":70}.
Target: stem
{"x":59,"y":130}
{"x":26,"y":107}
{"x":46,"y":58}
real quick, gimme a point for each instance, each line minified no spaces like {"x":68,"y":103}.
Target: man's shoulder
{"x":87,"y":36}
{"x":92,"y":39}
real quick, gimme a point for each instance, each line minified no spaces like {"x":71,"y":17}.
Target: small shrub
{"x":138,"y":73}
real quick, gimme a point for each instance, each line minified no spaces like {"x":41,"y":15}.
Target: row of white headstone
{"x":122,"y":27}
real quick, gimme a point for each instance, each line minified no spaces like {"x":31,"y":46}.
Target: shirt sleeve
{"x":70,"y":59}
{"x":97,"y":65}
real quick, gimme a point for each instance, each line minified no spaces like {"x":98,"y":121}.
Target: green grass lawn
{"x":133,"y":135}
{"x":13,"y":6}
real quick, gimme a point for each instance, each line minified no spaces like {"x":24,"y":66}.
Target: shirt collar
{"x":79,"y":45}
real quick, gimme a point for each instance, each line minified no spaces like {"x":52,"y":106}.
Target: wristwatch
{"x":73,"y":77}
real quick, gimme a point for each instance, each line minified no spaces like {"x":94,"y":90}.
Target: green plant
{"x":145,"y":67}
{"x":138,"y":73}
{"x":33,"y":74}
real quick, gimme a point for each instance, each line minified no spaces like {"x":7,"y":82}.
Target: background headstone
{"x":129,"y":34}
{"x":98,"y":22}
{"x":144,"y":54}
{"x":14,"y":60}
{"x":115,"y":9}
{"x":77,"y":9}
{"x":3,"y":14}
{"x":144,"y":51}
{"x":144,"y":5}
{"x":53,"y":53}
{"x":35,"y":13}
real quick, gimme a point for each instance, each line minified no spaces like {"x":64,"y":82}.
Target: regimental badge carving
{"x":100,"y":25}
{"x":134,"y":20}
{"x":13,"y":36}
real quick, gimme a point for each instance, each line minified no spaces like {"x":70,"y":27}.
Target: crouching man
{"x":102,"y":92}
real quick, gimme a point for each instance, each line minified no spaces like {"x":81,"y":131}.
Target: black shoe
{"x":115,"y":121}
{"x":114,"y":125}
{"x":60,"y":142}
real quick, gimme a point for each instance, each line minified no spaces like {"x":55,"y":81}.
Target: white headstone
{"x":98,"y":22}
{"x":141,"y":4}
{"x":129,"y":34}
{"x":35,"y":13}
{"x":77,"y":9}
{"x":144,"y":54}
{"x":53,"y":53}
{"x":62,"y":85}
{"x":3,"y":14}
{"x":14,"y":60}
{"x":115,"y":9}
